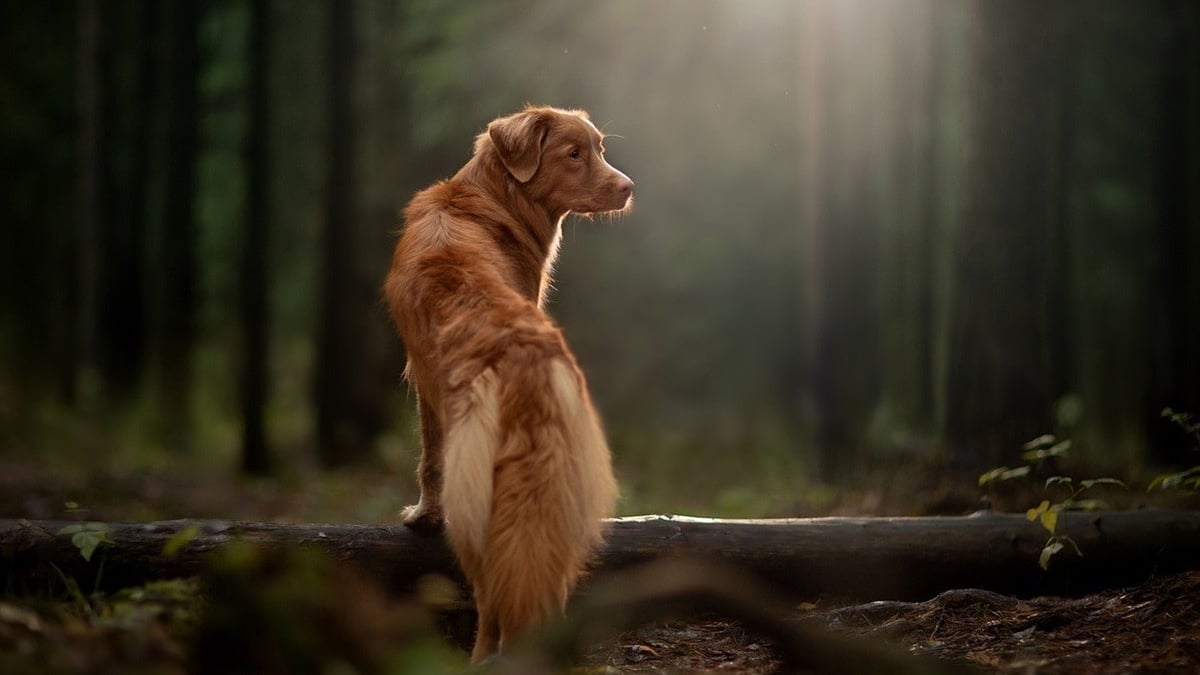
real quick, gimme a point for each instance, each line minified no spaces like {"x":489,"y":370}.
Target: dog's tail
{"x":527,"y":481}
{"x":471,"y":444}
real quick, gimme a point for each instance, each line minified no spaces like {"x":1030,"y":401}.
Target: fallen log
{"x":845,"y":558}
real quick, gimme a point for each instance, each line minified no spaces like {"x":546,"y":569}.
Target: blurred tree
{"x":912,"y":81}
{"x":348,"y":417}
{"x":842,"y":251}
{"x":90,"y":177}
{"x":1118,"y":299}
{"x":255,"y":267}
{"x":38,"y":123}
{"x":1177,"y":223}
{"x":1000,"y":389}
{"x":132,"y":95}
{"x":174,"y":277}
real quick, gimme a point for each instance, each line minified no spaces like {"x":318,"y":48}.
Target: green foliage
{"x":1044,"y":447}
{"x":174,"y":603}
{"x":297,"y":611}
{"x":141,"y":629}
{"x":1186,"y":422}
{"x":1188,"y":479}
{"x":179,"y":540}
{"x":87,"y":537}
{"x":1047,"y":512}
{"x":1003,"y":473}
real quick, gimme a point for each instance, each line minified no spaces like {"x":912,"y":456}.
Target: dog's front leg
{"x":426,"y":514}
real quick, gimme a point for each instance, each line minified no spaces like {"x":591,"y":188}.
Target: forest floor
{"x":1151,"y":628}
{"x":169,"y":627}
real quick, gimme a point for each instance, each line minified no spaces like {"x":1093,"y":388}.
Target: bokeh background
{"x":874,"y":241}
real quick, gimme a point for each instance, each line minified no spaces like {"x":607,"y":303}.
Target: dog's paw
{"x":421,"y":518}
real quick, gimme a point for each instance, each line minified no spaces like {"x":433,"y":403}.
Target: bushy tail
{"x":471,"y":443}
{"x":528,"y":479}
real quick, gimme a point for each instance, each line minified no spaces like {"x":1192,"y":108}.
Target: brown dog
{"x":514,"y":456}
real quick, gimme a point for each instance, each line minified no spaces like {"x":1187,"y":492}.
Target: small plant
{"x":179,"y":540}
{"x":1047,"y":514}
{"x":87,"y":537}
{"x":1041,"y":449}
{"x":1188,"y":479}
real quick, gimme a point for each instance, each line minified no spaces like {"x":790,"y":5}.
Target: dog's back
{"x":526,"y":475}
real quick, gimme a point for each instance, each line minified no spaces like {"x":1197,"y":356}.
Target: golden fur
{"x":514,"y":456}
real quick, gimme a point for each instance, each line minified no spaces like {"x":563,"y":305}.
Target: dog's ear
{"x":519,"y":140}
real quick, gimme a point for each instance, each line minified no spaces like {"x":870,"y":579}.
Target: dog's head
{"x":557,"y":157}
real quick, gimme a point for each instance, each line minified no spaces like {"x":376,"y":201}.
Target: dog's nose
{"x":624,"y":187}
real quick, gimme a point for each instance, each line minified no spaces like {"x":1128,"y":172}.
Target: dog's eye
{"x":574,"y":154}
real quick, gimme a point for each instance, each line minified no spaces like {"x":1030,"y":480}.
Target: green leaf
{"x":179,"y":540}
{"x":86,"y":542}
{"x":1058,"y":480}
{"x":992,"y":475}
{"x":1043,"y":441}
{"x":87,"y":537}
{"x":1033,"y":514}
{"x":1048,"y":552}
{"x":1055,"y":450}
{"x":1003,"y":473}
{"x":1016,"y":473}
{"x":1102,"y":481}
{"x":1049,"y":519}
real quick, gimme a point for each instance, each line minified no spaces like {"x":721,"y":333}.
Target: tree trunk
{"x":840,"y":140}
{"x":346,"y":414}
{"x":134,"y":104}
{"x":1000,"y":370}
{"x":255,"y":266}
{"x":910,"y":218}
{"x":176,"y":274}
{"x":811,"y":84}
{"x":846,"y":558}
{"x":90,"y":177}
{"x":1173,"y":378}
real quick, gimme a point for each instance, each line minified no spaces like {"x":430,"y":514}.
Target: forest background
{"x":867,"y":234}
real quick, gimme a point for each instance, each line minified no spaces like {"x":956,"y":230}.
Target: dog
{"x":514,"y":461}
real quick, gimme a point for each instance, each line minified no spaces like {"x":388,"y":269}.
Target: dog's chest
{"x":547,"y":277}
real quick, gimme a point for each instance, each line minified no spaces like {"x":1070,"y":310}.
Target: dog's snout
{"x":624,"y":187}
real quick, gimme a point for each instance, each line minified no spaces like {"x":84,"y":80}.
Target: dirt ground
{"x":1151,"y":628}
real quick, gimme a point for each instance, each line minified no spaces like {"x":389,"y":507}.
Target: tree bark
{"x":347,"y":410}
{"x":844,"y":558}
{"x":1000,"y":373}
{"x":256,"y":458}
{"x":1174,"y":368}
{"x":132,"y":105}
{"x":175,"y":292}
{"x":840,"y":143}
{"x":90,"y":181}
